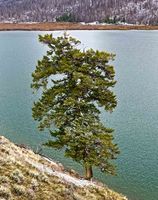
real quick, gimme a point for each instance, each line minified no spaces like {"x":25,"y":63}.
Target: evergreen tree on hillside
{"x":66,"y":17}
{"x":74,"y":85}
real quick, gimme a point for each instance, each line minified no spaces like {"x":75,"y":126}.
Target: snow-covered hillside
{"x":130,"y":11}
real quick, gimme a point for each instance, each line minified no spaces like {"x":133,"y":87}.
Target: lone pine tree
{"x":74,"y":84}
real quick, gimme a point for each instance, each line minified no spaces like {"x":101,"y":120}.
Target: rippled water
{"x":135,"y":120}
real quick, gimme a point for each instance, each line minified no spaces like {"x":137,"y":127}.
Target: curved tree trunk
{"x":88,"y":172}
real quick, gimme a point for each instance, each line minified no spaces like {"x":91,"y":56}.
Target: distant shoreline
{"x":69,"y":26}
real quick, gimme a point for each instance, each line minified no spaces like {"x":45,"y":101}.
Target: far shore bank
{"x":69,"y":26}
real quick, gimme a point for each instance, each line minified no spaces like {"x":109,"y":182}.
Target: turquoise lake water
{"x":135,"y":119}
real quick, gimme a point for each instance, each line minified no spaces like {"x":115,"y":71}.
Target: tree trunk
{"x":88,"y":172}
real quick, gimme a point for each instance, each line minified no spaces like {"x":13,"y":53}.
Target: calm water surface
{"x":135,"y":120}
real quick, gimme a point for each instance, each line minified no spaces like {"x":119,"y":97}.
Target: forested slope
{"x":130,"y":11}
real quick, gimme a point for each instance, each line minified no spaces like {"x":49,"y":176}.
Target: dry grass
{"x":27,"y":176}
{"x":70,"y":26}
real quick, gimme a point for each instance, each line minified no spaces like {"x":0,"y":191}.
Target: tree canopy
{"x":74,"y":84}
{"x":66,"y":17}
